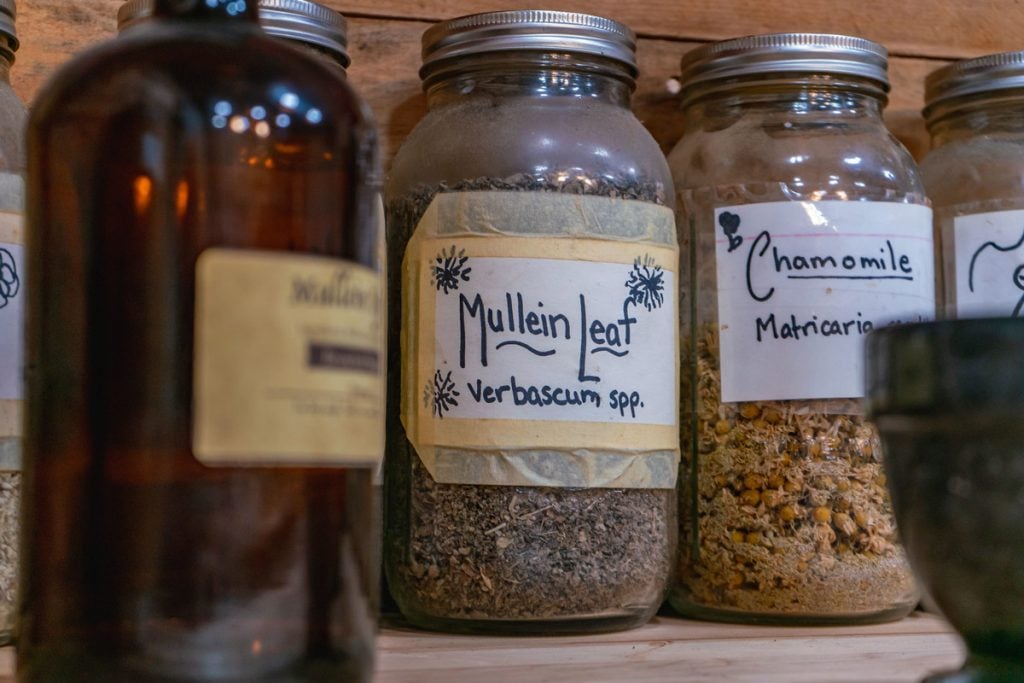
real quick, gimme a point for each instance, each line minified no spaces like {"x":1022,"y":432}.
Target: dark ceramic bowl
{"x":948,"y":400}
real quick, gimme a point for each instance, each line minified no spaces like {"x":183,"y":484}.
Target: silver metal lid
{"x":307,"y":22}
{"x":297,"y":20}
{"x":8,"y":13}
{"x":133,"y":12}
{"x":990,"y":73}
{"x":807,"y":53}
{"x":542,"y":30}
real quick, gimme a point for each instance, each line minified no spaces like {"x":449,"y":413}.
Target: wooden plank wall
{"x":384,"y":42}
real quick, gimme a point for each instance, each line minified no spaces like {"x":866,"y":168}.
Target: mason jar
{"x":806,"y":226}
{"x":12,"y":314}
{"x":974,"y":176}
{"x":533,"y":427}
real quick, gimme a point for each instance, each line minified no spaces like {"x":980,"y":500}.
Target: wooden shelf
{"x":671,"y":649}
{"x":666,"y":650}
{"x":384,"y":41}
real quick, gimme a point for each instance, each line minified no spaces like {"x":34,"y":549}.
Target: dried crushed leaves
{"x":785,"y":510}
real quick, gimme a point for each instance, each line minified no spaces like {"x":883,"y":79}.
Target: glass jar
{"x":315,"y":28}
{"x":12,"y":313}
{"x":974,"y":176}
{"x":205,"y":370}
{"x":532,"y":434}
{"x":805,"y":225}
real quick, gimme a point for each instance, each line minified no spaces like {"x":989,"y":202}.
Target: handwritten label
{"x":989,"y":264}
{"x":12,"y":316}
{"x":801,"y":283}
{"x":13,"y":305}
{"x":544,"y":339}
{"x":539,"y":344}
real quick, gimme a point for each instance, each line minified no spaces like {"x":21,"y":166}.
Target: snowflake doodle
{"x":449,"y":269}
{"x":442,"y":393}
{"x":646,"y":284}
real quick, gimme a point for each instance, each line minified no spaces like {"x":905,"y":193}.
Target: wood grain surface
{"x":384,"y":42}
{"x":386,"y":58}
{"x":667,"y":650}
{"x":670,"y":650}
{"x":917,"y":28}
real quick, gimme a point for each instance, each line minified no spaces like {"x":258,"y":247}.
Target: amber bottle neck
{"x":234,"y":10}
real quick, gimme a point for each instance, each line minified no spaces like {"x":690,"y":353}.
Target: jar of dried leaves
{"x":974,"y":176}
{"x":533,"y":430}
{"x":12,"y":312}
{"x":805,"y":226}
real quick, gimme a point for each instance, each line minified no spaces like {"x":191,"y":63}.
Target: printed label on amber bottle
{"x":288,"y":360}
{"x":989,"y":258}
{"x":542,"y":359}
{"x":801,"y":283}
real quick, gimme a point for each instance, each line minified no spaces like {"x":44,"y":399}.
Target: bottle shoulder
{"x":13,"y":116}
{"x":972,"y":169}
{"x":857,"y":157}
{"x":502,"y":137}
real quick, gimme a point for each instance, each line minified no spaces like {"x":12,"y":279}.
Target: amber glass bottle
{"x":204,"y":381}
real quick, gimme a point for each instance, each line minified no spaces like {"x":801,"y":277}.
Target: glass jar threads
{"x":805,"y":225}
{"x":531,"y":465}
{"x":974,"y":176}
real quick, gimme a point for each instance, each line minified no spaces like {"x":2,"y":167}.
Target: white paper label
{"x":12,"y":316}
{"x":989,"y":258}
{"x":544,"y":339}
{"x":801,"y":283}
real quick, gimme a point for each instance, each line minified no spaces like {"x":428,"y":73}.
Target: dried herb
{"x":459,"y":554}
{"x":499,"y":552}
{"x":10,"y":506}
{"x":787,"y":507}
